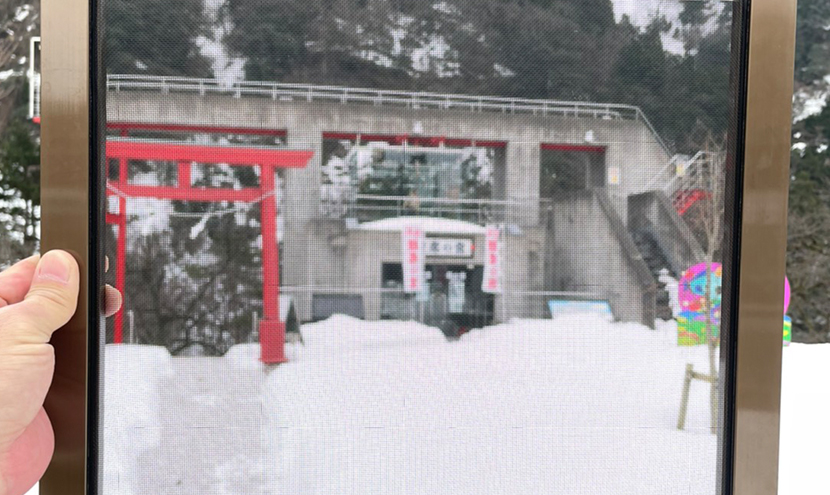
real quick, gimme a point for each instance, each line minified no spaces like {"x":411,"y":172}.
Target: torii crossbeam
{"x":271,"y":328}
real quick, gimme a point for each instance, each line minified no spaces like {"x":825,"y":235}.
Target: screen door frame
{"x":73,"y":219}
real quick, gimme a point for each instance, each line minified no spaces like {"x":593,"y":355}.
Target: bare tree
{"x":706,"y":179}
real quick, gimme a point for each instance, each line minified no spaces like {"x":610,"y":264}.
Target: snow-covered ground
{"x":805,"y":428}
{"x":574,"y":405}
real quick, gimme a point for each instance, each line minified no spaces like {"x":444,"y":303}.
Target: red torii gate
{"x":271,"y":328}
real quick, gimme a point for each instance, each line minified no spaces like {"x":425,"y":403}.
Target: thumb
{"x":49,"y":304}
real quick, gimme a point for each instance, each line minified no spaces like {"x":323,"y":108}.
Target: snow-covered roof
{"x":429,"y":225}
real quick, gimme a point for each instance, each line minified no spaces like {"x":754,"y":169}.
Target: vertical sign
{"x":413,"y":240}
{"x":455,"y":295}
{"x":613,"y":176}
{"x":492,"y":261}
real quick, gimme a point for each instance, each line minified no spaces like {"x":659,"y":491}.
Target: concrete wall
{"x":630,"y":145}
{"x":654,"y":211}
{"x":594,"y":253}
{"x":321,"y":253}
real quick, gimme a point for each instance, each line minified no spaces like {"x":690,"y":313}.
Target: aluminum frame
{"x":751,"y":359}
{"x":72,"y":210}
{"x":72,"y":218}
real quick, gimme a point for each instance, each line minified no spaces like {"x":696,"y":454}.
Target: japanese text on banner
{"x":413,"y":262}
{"x":492,"y":282}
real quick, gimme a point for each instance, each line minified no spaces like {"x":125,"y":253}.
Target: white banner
{"x":492,"y":282}
{"x":413,"y":240}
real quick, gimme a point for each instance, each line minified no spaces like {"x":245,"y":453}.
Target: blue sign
{"x":566,"y":307}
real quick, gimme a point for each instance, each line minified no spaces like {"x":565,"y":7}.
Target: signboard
{"x":446,"y":247}
{"x":566,"y":307}
{"x":613,"y":175}
{"x":455,"y":296}
{"x":692,"y":291}
{"x":412,"y":257}
{"x":492,"y":282}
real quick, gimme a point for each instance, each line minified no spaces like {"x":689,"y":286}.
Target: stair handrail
{"x":672,"y":164}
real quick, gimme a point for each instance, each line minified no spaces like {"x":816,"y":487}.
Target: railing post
{"x":201,"y":88}
{"x":131,"y":319}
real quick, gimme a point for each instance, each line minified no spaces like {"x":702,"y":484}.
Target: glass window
{"x":469,"y":246}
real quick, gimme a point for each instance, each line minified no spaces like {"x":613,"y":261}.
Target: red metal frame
{"x":272,"y":329}
{"x":685,"y":199}
{"x":194,"y":129}
{"x":582,"y":148}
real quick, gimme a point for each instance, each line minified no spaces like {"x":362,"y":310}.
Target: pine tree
{"x":20,"y":189}
{"x":156,"y":37}
{"x":812,"y":60}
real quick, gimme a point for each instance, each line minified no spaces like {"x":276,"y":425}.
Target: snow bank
{"x":132,"y":378}
{"x":344,"y":334}
{"x":575,"y":405}
{"x":245,"y":357}
{"x":429,"y":225}
{"x":805,"y":430}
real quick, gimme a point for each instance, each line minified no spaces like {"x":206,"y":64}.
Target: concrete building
{"x":574,"y":241}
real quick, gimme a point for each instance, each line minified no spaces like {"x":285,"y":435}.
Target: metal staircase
{"x":657,"y":259}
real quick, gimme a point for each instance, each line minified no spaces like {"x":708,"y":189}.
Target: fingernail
{"x":54,"y":267}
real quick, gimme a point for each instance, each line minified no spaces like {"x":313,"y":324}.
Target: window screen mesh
{"x":401,"y":247}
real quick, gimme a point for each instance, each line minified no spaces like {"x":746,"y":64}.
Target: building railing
{"x":368,"y":96}
{"x":379,"y":97}
{"x":369,"y":207}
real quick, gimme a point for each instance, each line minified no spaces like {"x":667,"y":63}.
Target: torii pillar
{"x":271,"y":328}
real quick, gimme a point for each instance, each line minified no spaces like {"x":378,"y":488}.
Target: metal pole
{"x":131,"y":319}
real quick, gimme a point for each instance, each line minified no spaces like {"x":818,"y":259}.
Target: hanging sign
{"x":613,"y":176}
{"x":446,"y":247}
{"x":492,"y":282}
{"x":412,"y":257}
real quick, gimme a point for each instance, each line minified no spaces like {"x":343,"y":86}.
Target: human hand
{"x":37,"y":296}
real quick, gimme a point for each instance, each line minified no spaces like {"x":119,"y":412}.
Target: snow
{"x":525,"y":407}
{"x":671,"y":284}
{"x":642,"y":12}
{"x":133,"y":378}
{"x":226,"y":69}
{"x":435,"y":54}
{"x":805,"y":432}
{"x":810,"y":101}
{"x":22,"y":13}
{"x":429,"y":224}
{"x":245,"y":357}
{"x":573,"y":405}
